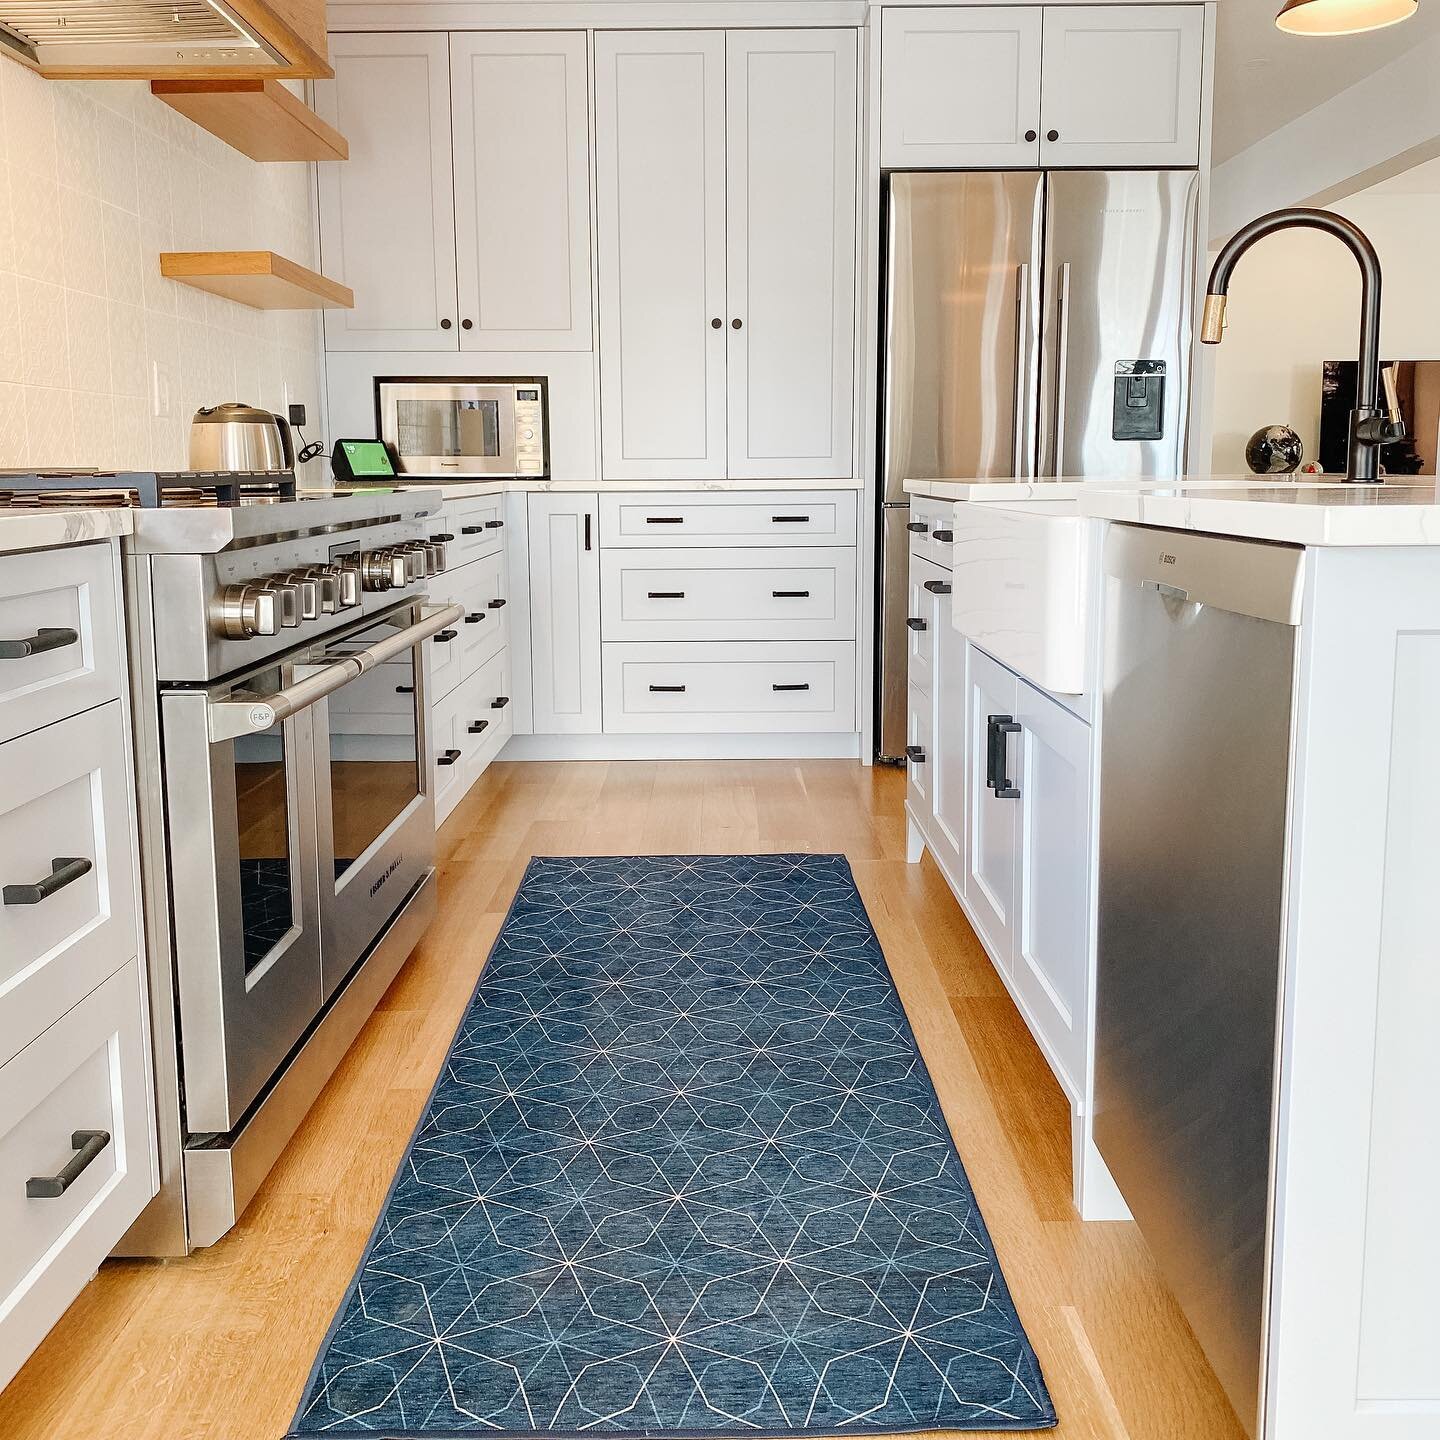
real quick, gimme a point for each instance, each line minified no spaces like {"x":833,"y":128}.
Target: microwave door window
{"x":262,"y":805}
{"x":428,"y":427}
{"x":480,"y":428}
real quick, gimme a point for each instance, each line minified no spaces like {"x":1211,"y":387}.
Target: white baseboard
{"x":682,"y":747}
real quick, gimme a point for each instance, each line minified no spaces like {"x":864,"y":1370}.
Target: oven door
{"x":440,"y":429}
{"x":375,"y":813}
{"x":244,"y":897}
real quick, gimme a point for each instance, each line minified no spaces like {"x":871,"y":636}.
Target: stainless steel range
{"x":287,"y":826}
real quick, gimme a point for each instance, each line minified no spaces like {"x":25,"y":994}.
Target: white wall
{"x":96,"y":179}
{"x":1295,"y":303}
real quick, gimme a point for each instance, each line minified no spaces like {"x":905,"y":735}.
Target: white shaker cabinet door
{"x":660,"y":206}
{"x":993,"y":784}
{"x":1051,"y":957}
{"x":565,"y":613}
{"x":960,"y":87}
{"x":387,"y":214}
{"x":522,"y":189}
{"x":1121,"y":85}
{"x":790,"y":282}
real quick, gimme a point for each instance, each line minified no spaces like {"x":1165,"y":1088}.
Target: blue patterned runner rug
{"x":683,"y":1173}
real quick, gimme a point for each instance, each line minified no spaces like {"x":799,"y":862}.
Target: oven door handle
{"x":249,"y":714}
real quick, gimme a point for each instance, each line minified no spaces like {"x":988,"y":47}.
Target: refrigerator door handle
{"x":1019,"y":461}
{"x":1062,"y":359}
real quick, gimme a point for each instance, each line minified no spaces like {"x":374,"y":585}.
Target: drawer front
{"x":931,"y":542}
{"x":485,"y":630}
{"x":64,"y":599}
{"x":447,"y":666}
{"x":87,"y":1072}
{"x":478,"y":528}
{"x":729,"y":688}
{"x":778,"y":517}
{"x":64,"y":796}
{"x":919,"y":762}
{"x":754,"y":594}
{"x":471,"y":725}
{"x":922,"y":615}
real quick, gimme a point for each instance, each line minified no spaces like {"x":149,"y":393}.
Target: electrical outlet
{"x":159,"y":390}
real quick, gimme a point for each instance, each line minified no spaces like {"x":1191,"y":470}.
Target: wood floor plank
{"x":217,"y":1347}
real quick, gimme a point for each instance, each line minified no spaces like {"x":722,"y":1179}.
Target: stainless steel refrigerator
{"x":1037,"y":324}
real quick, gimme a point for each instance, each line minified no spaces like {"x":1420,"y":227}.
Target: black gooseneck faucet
{"x":1370,"y":426}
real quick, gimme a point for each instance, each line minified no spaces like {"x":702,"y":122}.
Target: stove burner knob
{"x":400,"y":569}
{"x":350,"y":586}
{"x":376,"y":571}
{"x":287,"y":598}
{"x":414,"y":562}
{"x":327,"y":579}
{"x":436,"y":551}
{"x":308,"y":590}
{"x":244,"y":611}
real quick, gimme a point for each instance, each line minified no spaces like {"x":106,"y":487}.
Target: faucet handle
{"x":1392,"y":396}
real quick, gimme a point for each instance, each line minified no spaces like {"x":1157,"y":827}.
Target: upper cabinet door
{"x":790,"y":218}
{"x":1121,"y":85}
{"x":960,"y":88}
{"x":522,"y":189}
{"x":387,"y":218}
{"x":660,"y":203}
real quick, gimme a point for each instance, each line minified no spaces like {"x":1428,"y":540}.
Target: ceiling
{"x":1265,"y":78}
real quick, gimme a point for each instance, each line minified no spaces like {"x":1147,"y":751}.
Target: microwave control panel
{"x":529,"y":430}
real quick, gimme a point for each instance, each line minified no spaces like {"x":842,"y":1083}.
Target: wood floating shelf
{"x":259,"y":118}
{"x":258,"y":278}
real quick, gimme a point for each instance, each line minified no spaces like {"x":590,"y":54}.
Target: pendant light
{"x":1342,"y":17}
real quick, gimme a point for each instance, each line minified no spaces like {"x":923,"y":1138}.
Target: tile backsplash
{"x":96,"y":179}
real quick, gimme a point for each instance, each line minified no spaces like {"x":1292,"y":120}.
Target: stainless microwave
{"x":489,"y":426}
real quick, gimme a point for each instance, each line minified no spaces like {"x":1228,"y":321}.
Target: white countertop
{"x":464,"y":489}
{"x":41,"y":528}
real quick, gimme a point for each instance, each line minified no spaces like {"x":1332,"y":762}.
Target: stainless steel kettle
{"x":240,"y":437}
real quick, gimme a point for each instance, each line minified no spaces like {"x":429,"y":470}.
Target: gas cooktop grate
{"x":147,"y":489}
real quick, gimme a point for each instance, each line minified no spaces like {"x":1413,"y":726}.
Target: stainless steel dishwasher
{"x":1195,"y":755}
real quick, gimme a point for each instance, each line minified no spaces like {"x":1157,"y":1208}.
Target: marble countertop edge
{"x":45,"y":527}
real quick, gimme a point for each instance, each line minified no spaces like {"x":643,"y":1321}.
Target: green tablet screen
{"x":367,"y":458}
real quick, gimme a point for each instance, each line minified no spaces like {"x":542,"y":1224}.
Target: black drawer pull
{"x":997,"y":760}
{"x":789,"y":519}
{"x":665,"y":594}
{"x":447,"y":757}
{"x":494,"y":524}
{"x":444,"y":637}
{"x":441,"y":539}
{"x":474,"y":617}
{"x":938,"y":587}
{"x":45,"y":638}
{"x":476,"y":726}
{"x":667,"y":689}
{"x":496,"y":604}
{"x":803,"y":685}
{"x":916,"y":623}
{"x":917,"y":527}
{"x":499,"y":702}
{"x":943,"y":535}
{"x":63,"y":872}
{"x":915,"y":754}
{"x":87,"y":1145}
{"x":664,"y":519}
{"x":404,"y":689}
{"x":789,"y":594}
{"x":472,"y":529}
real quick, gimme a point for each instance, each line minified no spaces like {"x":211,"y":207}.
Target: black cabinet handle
{"x":736,"y":323}
{"x":917,"y":527}
{"x":499,"y":702}
{"x":444,"y":637}
{"x":944,"y":536}
{"x":803,"y":685}
{"x":667,"y":689}
{"x":467,"y":324}
{"x":448,"y":757}
{"x":664,"y":594}
{"x":496,"y":604}
{"x":87,"y":1145}
{"x":494,"y":524}
{"x":472,"y":529}
{"x":1052,"y":136}
{"x":476,"y":726}
{"x":915,"y":754}
{"x":789,"y":594}
{"x":916,"y":623}
{"x":444,"y":539}
{"x":404,"y":689}
{"x":446,"y":323}
{"x":587,"y":529}
{"x":1030,"y":135}
{"x":938,"y":587}
{"x":789,"y":519}
{"x":997,"y":760}
{"x":63,"y":872}
{"x":47,"y":637}
{"x":664,"y":519}
{"x":474,"y":617}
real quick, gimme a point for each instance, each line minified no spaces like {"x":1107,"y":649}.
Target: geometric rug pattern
{"x":683,"y":1173}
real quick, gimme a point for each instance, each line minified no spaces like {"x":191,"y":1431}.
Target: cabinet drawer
{"x":64,"y":796}
{"x":931,"y":533}
{"x":919,"y":744}
{"x":752,"y":594}
{"x":771,"y":517}
{"x":87,"y":1072}
{"x":481,"y":589}
{"x":477,"y":525}
{"x":71,"y":595}
{"x":729,"y":688}
{"x":470,"y":726}
{"x":925,"y":613}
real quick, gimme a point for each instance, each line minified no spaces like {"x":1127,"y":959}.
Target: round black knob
{"x":1029,"y":134}
{"x":445,"y":324}
{"x":716,"y":323}
{"x":467,"y":324}
{"x":1052,"y":135}
{"x":735,"y":324}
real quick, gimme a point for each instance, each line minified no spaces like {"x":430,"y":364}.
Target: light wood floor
{"x":217,"y":1347}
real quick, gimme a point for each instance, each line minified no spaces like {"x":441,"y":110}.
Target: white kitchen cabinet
{"x":522,"y":189}
{"x":660,"y":204}
{"x":1121,"y":85}
{"x":992,"y":814}
{"x":1050,"y":965}
{"x":387,"y":218}
{"x":565,"y":613}
{"x":948,"y":731}
{"x":725,"y":202}
{"x":790,"y":251}
{"x":960,"y":88}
